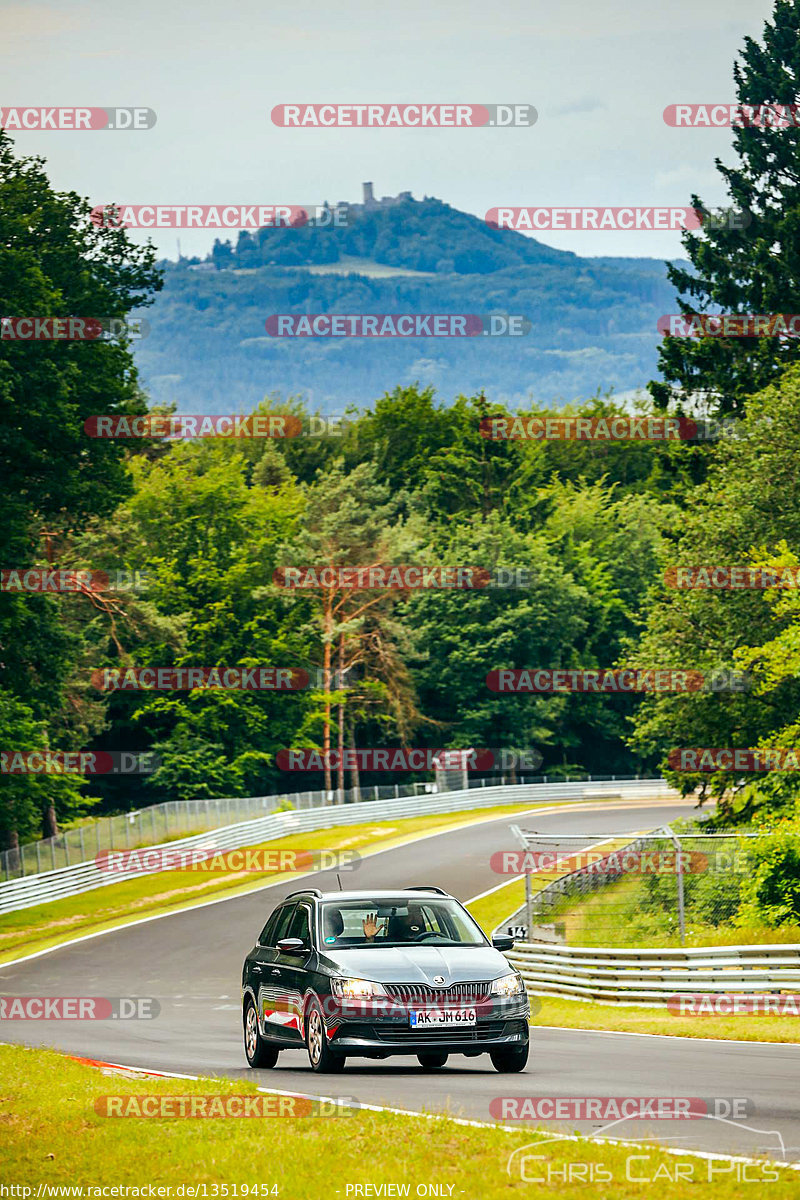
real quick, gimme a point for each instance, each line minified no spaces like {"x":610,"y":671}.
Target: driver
{"x":398,"y":928}
{"x":406,"y":928}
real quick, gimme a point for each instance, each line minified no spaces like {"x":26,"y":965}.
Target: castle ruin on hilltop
{"x":369,"y":203}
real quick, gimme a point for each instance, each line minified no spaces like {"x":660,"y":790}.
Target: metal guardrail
{"x":70,"y":881}
{"x":181,"y":818}
{"x":173,"y":819}
{"x":650,"y":976}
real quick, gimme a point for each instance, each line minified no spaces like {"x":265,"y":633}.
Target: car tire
{"x":320,"y":1055}
{"x":432,"y":1060}
{"x":509,"y":1059}
{"x":258,"y":1052}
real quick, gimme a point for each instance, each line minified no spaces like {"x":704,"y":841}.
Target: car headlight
{"x":508,"y":985}
{"x":356,"y":989}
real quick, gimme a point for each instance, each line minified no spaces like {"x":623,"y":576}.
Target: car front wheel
{"x":509,"y":1059}
{"x":259,"y":1053}
{"x":320,"y":1055}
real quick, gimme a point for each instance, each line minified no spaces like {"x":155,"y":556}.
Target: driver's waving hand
{"x":370,"y":926}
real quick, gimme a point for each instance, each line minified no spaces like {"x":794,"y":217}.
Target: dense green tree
{"x":351,"y":520}
{"x":208,"y":544}
{"x":54,"y":263}
{"x":746,"y":514}
{"x":745,"y":268}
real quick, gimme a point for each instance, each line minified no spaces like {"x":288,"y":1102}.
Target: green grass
{"x":584,"y":1014}
{"x":53,"y":1135}
{"x":617,"y":916}
{"x":49,"y":924}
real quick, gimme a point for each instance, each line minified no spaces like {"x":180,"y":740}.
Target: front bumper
{"x":392,"y":1037}
{"x":383,"y":1026}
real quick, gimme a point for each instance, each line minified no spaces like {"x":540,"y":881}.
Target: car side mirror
{"x":503,"y":941}
{"x":292,"y":946}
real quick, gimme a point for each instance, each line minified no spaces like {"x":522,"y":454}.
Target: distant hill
{"x":593,"y":319}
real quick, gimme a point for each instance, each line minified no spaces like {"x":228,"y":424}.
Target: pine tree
{"x":752,"y":269}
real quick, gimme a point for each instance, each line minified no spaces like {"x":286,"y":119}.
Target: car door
{"x":293,"y":976}
{"x":273,"y":1005}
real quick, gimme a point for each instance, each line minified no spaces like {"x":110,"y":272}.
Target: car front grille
{"x":466,"y":1033}
{"x":462,"y":993}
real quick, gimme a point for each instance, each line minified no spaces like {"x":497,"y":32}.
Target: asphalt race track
{"x":191,"y":963}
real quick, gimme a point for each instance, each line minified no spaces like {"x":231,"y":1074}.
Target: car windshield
{"x":397,"y":922}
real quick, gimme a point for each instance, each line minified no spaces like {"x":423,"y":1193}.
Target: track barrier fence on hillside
{"x":28,"y":890}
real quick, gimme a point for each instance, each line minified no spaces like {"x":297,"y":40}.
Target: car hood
{"x":420,"y":964}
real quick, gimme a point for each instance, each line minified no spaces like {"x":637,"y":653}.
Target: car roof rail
{"x":304,"y":892}
{"x":426,"y":887}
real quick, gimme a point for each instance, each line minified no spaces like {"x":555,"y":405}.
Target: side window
{"x":299,"y":927}
{"x":266,"y":932}
{"x":277,"y":930}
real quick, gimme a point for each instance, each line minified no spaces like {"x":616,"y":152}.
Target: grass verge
{"x":583,"y":1014}
{"x":52,"y":1135}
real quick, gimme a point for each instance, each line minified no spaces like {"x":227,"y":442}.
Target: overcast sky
{"x":599,"y":74}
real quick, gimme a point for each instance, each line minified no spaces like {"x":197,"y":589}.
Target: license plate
{"x":423,"y":1018}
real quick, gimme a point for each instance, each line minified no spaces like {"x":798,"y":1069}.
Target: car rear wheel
{"x":259,"y":1053}
{"x":508,"y":1059}
{"x":432,"y":1060}
{"x":320,"y":1055}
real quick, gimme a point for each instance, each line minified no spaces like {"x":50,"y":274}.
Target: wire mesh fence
{"x":174,"y":819}
{"x":658,"y":889}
